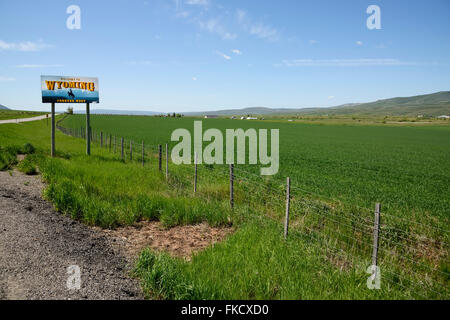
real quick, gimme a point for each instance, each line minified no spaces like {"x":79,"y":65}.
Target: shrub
{"x":7,"y":158}
{"x":28,"y":148}
{"x":163,"y":277}
{"x":27,"y":166}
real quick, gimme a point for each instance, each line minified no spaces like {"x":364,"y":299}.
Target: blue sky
{"x":189,"y":55}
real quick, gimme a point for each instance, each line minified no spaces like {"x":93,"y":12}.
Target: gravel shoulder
{"x":38,"y":244}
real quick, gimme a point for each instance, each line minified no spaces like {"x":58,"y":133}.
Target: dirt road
{"x":25,"y":119}
{"x":37,"y":245}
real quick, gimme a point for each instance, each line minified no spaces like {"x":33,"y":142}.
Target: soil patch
{"x":180,"y":241}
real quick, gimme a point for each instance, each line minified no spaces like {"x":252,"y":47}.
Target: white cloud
{"x":236,"y":51}
{"x":330,"y":97}
{"x":214,"y":25}
{"x":194,"y":78}
{"x":23,"y":46}
{"x":197,"y":2}
{"x":182,"y":14}
{"x":264,"y":32}
{"x":241,"y":15}
{"x":259,"y":29}
{"x":31,"y":66}
{"x":343,"y":63}
{"x":223,"y":55}
{"x":7,"y":78}
{"x":229,"y":36}
{"x":359,"y":43}
{"x":140,"y":63}
{"x":313,"y":41}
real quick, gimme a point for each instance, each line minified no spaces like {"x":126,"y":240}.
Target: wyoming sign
{"x":62,"y":89}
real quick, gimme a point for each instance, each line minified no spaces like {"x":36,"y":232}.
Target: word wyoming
{"x":70,"y":85}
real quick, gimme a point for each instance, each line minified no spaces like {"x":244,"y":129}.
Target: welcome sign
{"x":62,"y":89}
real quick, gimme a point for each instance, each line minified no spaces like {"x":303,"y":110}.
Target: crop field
{"x":337,"y":172}
{"x":404,"y":168}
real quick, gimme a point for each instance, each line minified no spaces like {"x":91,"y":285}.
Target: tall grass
{"x":257,"y":263}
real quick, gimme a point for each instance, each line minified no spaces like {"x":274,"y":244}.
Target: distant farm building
{"x":211,"y":116}
{"x":444,"y":117}
{"x":252,"y":118}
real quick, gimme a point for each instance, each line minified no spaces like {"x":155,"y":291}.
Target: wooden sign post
{"x":88,"y":130}
{"x":53,"y":130}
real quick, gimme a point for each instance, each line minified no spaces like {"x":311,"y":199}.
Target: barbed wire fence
{"x":351,"y":236}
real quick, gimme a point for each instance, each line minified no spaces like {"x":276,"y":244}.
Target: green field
{"x":17,"y":114}
{"x":407,"y":169}
{"x":337,"y":173}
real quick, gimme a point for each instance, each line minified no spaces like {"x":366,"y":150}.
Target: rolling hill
{"x":2,"y":107}
{"x":434,"y":104}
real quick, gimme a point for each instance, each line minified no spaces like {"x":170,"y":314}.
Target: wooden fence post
{"x":160,"y":157}
{"x":288,"y":204}
{"x":195,"y":172}
{"x":121,"y":142}
{"x":115,"y":144}
{"x":101,"y":139}
{"x":376,"y":231}
{"x":131,"y":150}
{"x":231,"y":186}
{"x":110,"y":142}
{"x":167,"y":161}
{"x":142,"y":152}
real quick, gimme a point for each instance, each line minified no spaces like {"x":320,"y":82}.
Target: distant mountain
{"x":2,"y":107}
{"x":434,"y":104}
{"x":119,"y":112}
{"x":245,"y":111}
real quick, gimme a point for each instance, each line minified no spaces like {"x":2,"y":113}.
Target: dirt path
{"x":26,"y":119}
{"x":37,"y":245}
